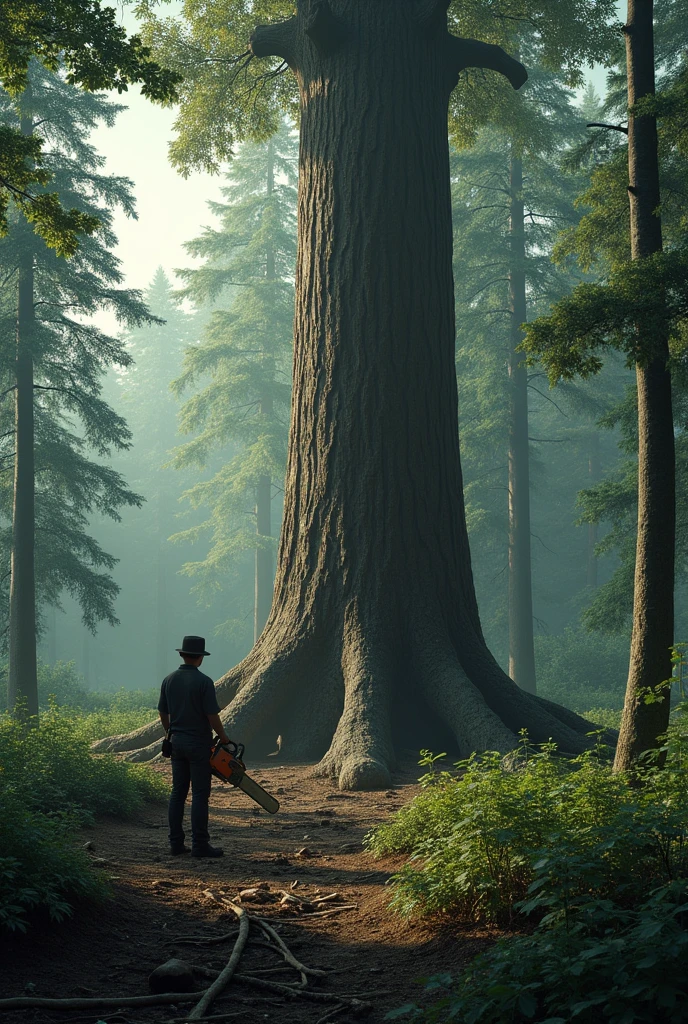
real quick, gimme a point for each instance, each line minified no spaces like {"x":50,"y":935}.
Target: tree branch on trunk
{"x":470,"y":53}
{"x":609,"y":127}
{"x":323,"y":28}
{"x":432,"y":15}
{"x":274,"y":40}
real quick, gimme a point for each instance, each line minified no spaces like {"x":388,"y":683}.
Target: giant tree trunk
{"x":22,"y":675}
{"x":653,"y":602}
{"x":521,"y":647}
{"x":264,"y":577}
{"x":374,"y":641}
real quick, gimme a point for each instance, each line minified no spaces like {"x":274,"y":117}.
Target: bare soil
{"x":159,"y":899}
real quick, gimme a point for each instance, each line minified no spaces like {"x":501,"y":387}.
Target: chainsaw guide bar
{"x":226,"y":764}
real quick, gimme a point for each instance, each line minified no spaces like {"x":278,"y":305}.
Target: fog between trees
{"x":185,"y":422}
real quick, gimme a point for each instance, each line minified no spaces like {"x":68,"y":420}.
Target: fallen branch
{"x":225,"y":976}
{"x":195,"y":940}
{"x":296,"y":992}
{"x":97,"y":1002}
{"x":330,"y":1014}
{"x":287,"y":953}
{"x":202,"y":1020}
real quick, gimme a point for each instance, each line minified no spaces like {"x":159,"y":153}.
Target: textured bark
{"x":263,"y":571}
{"x":162,"y":653}
{"x":653,"y":602}
{"x":521,"y":647}
{"x":22,"y":677}
{"x":594,"y":475}
{"x":374,"y":641}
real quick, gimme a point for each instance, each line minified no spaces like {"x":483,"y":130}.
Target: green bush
{"x":582,"y":670}
{"x":597,"y":865}
{"x":615,"y":964}
{"x":50,"y":783}
{"x":475,"y":837}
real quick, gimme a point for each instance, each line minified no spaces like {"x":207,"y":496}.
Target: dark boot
{"x":177,"y":848}
{"x":206,"y":850}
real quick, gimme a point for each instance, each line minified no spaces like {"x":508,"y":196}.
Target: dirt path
{"x":157,"y":898}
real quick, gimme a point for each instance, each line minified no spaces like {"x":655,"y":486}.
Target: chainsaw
{"x":227,"y":764}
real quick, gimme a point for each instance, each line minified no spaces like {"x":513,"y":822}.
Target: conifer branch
{"x":470,"y":53}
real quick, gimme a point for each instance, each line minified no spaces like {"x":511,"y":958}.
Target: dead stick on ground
{"x":296,"y":992}
{"x":330,"y":1014}
{"x":98,"y":1002}
{"x":217,"y":1016}
{"x":194,"y":940}
{"x":287,"y":953}
{"x":225,"y":977}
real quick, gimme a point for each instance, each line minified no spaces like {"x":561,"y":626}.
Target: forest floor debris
{"x":322,"y":945}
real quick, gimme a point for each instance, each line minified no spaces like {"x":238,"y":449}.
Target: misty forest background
{"x":160,"y":451}
{"x":162,"y":416}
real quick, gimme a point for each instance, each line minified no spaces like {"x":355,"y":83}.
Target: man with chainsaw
{"x":189,"y":712}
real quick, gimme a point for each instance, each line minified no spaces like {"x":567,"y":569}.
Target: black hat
{"x":194,"y":645}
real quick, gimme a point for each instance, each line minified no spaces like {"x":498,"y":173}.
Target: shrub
{"x":50,"y":783}
{"x":582,"y":670}
{"x":475,"y":837}
{"x":616,"y":964}
{"x":600,"y":866}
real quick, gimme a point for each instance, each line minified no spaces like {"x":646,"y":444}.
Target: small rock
{"x":279,"y":791}
{"x":304,"y":852}
{"x":173,"y":976}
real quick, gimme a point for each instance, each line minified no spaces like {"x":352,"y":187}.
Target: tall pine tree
{"x":54,"y":359}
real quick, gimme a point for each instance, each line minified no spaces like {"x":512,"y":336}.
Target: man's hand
{"x":218,"y":727}
{"x":165,"y":719}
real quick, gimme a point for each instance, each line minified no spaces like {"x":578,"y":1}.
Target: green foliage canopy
{"x":228,"y":96}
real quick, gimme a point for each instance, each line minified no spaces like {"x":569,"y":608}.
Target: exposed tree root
{"x":339,"y":698}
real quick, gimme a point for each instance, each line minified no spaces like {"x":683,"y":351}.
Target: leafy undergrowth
{"x":50,"y":785}
{"x":594,"y":868}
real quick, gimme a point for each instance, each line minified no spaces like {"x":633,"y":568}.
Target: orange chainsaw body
{"x":226,"y":766}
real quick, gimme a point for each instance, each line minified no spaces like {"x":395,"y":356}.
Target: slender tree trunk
{"x":594,"y":474}
{"x":264,"y":576}
{"x":52,"y":634}
{"x":653,"y":604}
{"x":22,"y":676}
{"x":374,"y":641}
{"x":521,"y":647}
{"x":162,"y":655}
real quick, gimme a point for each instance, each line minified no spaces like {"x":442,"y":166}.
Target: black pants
{"x":190,"y":766}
